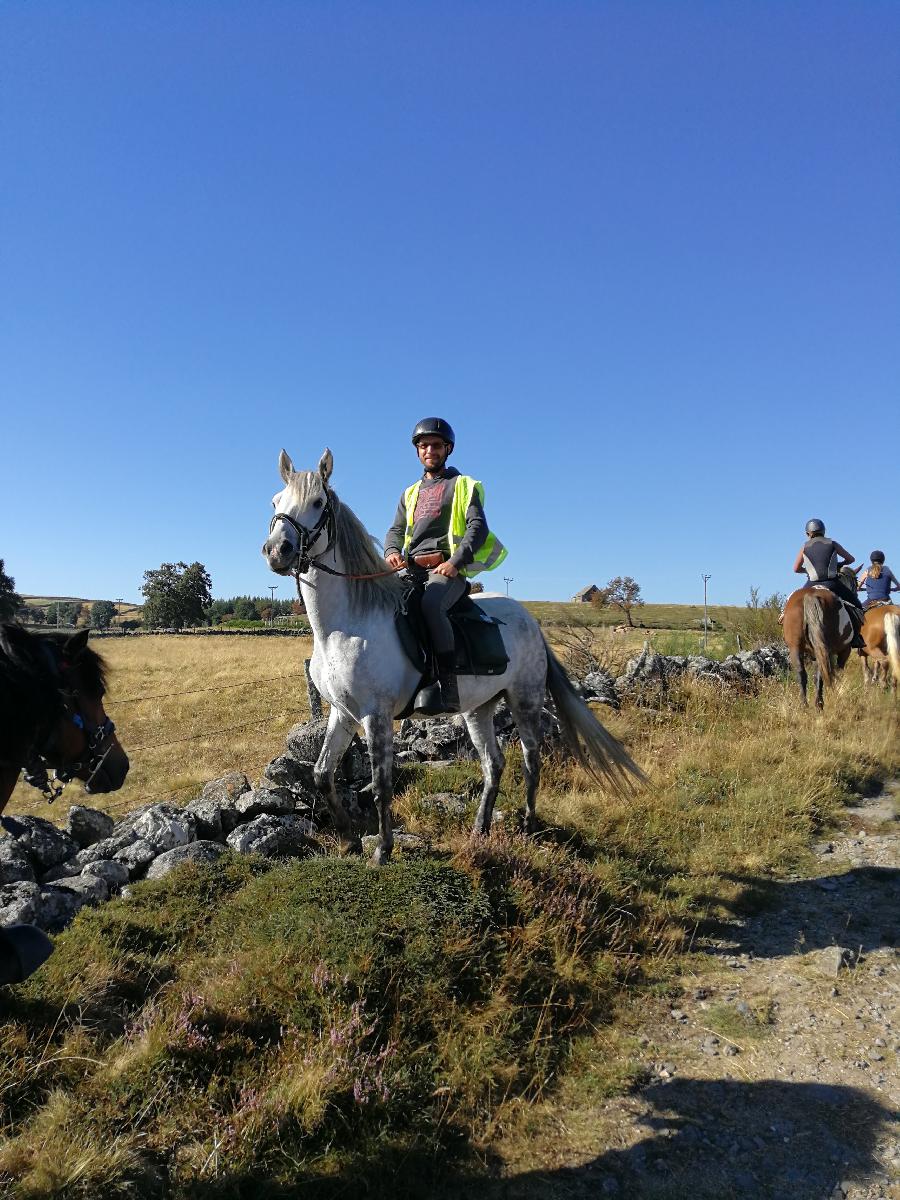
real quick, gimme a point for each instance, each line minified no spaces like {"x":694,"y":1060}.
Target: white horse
{"x":360,"y":667}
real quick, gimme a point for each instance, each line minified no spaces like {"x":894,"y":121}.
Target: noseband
{"x":306,"y":538}
{"x":92,"y":756}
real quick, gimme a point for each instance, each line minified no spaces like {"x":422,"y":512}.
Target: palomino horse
{"x":360,"y":667}
{"x":51,"y":713}
{"x":881,"y":633}
{"x":816,"y":624}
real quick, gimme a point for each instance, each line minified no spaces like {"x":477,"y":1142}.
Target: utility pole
{"x":119,"y":602}
{"x":706,"y":579}
{"x":273,"y":588}
{"x":508,"y":579}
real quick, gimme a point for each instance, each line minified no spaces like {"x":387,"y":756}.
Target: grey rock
{"x":20,"y":903}
{"x":43,"y":842}
{"x":89,"y":825}
{"x":830,"y":960}
{"x":265,"y":800}
{"x":402,"y":841}
{"x":136,"y":857}
{"x":90,"y":889}
{"x":64,"y":871}
{"x":207,"y":816}
{"x":165,"y":826}
{"x":287,"y":771}
{"x":15,"y":865}
{"x":227,"y":787}
{"x":304,"y":741}
{"x":60,"y":904}
{"x":274,"y":836}
{"x":200,"y":851}
{"x":450,"y":803}
{"x":710,"y":1046}
{"x":114,"y":874}
{"x":108,"y":848}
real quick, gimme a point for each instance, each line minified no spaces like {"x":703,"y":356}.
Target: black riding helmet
{"x":814,"y":526}
{"x":877,"y":556}
{"x":434,"y":427}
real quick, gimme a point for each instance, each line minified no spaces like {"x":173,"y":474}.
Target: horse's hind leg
{"x":480,"y":724}
{"x":527,"y":716}
{"x":379,"y":731}
{"x":820,"y":689}
{"x":338,"y":737}
{"x":798,"y":662}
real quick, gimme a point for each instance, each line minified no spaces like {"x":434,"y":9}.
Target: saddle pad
{"x":478,"y":642}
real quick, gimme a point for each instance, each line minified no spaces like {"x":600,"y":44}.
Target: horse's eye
{"x":317,"y":503}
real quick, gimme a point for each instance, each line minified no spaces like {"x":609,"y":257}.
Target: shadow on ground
{"x":859,"y":909}
{"x":703,"y":1140}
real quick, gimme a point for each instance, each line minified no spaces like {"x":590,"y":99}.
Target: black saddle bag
{"x":478,"y":642}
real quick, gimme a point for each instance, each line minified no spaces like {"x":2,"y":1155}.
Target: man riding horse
{"x":821,"y":559}
{"x":440,"y":530}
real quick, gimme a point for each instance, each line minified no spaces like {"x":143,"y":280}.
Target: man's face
{"x":433,"y":453}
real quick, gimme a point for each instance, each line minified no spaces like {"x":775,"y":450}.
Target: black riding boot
{"x":442,"y":696}
{"x":857,"y":616}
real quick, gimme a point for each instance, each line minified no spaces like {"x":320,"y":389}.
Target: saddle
{"x":478,"y":643}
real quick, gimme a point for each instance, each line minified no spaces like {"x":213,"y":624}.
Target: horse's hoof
{"x":381,"y":858}
{"x":351,"y":846}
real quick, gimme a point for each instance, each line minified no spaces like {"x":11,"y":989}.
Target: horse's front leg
{"x":338,"y":737}
{"x":379,"y":731}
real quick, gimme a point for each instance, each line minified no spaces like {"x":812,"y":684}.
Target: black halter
{"x":93,"y":754}
{"x":306,"y":538}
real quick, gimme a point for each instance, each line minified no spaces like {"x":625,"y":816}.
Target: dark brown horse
{"x":816,"y":625}
{"x":51,"y":714}
{"x":881,"y":633}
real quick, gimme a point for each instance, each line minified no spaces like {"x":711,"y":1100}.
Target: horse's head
{"x":55,"y":687}
{"x":848,"y":578}
{"x":303,"y":522}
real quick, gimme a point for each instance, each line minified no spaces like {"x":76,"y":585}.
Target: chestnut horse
{"x":816,"y":624}
{"x":51,"y":714}
{"x":881,"y":633}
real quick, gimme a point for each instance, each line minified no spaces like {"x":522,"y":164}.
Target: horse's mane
{"x":30,"y":684}
{"x":355,"y":546}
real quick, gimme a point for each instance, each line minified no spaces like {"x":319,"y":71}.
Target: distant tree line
{"x":251,"y":608}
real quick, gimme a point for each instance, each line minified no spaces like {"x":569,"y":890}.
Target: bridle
{"x":306,"y":539}
{"x":92,"y":755}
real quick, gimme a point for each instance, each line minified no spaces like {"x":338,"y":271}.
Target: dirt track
{"x":775,"y":1074}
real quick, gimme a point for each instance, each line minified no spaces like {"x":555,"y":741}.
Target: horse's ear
{"x":285,"y":466}
{"x":326,"y":463}
{"x":76,"y":644}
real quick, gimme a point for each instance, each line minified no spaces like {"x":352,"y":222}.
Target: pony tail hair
{"x":875,"y":570}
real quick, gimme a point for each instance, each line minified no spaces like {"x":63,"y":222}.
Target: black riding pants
{"x":439,"y":596}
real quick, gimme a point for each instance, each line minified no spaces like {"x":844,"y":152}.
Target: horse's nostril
{"x":285,"y":547}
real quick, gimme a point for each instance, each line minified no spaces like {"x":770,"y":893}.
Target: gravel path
{"x":775,"y":1074}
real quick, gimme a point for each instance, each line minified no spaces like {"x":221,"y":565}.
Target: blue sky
{"x":643,"y":256}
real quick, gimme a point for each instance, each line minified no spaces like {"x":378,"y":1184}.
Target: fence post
{"x":315,"y":700}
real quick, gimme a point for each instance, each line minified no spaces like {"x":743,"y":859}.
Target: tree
{"x":176,"y":595}
{"x":102,"y":613}
{"x":10,"y":602}
{"x":34,"y":614}
{"x":245,"y":609}
{"x":63,"y":613}
{"x":622,"y":592}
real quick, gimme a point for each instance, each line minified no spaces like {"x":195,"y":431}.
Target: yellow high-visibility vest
{"x":491,"y":554}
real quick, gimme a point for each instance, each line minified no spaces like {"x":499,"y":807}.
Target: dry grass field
{"x":188,"y":709}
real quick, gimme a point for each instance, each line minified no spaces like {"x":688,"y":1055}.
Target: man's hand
{"x":448,"y":569}
{"x":394,"y":559}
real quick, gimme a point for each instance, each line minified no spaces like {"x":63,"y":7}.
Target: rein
{"x":307,"y":538}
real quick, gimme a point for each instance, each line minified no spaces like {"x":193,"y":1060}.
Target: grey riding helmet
{"x":434,"y":427}
{"x":814,"y":527}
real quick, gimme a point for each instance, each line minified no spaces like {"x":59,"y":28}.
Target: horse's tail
{"x":602,"y":755}
{"x":892,"y":641}
{"x":814,"y":620}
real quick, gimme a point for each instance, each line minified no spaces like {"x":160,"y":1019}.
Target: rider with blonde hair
{"x":878,"y":581}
